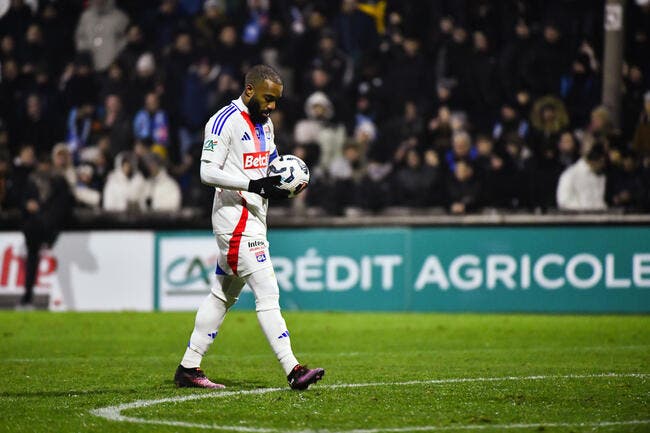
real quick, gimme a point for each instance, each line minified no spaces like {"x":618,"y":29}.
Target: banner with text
{"x":535,"y":269}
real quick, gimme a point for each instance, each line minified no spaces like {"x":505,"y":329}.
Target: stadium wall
{"x":595,"y":269}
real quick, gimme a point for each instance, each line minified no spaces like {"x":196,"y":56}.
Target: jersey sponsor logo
{"x":256,"y":160}
{"x":209,"y":145}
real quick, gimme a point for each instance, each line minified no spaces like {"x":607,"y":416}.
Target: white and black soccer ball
{"x":293,"y":172}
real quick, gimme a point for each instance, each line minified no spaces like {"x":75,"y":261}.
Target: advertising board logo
{"x":187,"y":271}
{"x":12,"y":269}
{"x":256,"y":160}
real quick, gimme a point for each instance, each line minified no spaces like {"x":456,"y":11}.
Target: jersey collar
{"x":239,"y":103}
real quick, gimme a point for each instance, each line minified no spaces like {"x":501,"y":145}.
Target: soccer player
{"x":237,"y":149}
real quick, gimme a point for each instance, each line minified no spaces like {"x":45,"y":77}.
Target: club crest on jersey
{"x":256,"y":160}
{"x":260,"y":256}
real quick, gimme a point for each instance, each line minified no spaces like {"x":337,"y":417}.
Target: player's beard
{"x":255,"y":112}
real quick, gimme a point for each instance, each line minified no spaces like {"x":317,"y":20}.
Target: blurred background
{"x":447,"y":106}
{"x":437,"y":112}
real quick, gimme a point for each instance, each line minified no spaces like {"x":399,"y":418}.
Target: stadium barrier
{"x":487,"y":268}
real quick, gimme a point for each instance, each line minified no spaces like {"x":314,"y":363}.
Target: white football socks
{"x":267,"y":295}
{"x":224,"y":294}
{"x":209,"y":318}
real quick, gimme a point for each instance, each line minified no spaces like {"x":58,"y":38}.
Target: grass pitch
{"x":418,"y":372}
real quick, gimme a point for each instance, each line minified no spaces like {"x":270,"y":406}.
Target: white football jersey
{"x":243,"y":150}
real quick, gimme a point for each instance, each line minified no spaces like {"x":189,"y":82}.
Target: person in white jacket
{"x":582,"y":185}
{"x":125,"y":187}
{"x":163,"y":193}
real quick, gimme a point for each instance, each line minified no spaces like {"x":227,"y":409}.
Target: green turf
{"x":59,"y":367}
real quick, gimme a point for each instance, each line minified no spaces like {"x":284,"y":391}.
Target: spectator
{"x":86,"y":190}
{"x":162,"y":191}
{"x":582,"y":186}
{"x":580,"y":90}
{"x":509,"y":122}
{"x":547,"y":61}
{"x":356,"y":30}
{"x":116,"y":124}
{"x":35,"y":127}
{"x":492,"y":172}
{"x":568,"y":151}
{"x":319,"y":128}
{"x":416,"y":179}
{"x":257,"y":21}
{"x":146,"y":81}
{"x":463,"y":189}
{"x":134,"y":47}
{"x":151,"y":122}
{"x":102,"y":31}
{"x":194,"y":104}
{"x":346,"y":173}
{"x":461,"y":150}
{"x":641,"y":140}
{"x":208,"y":25}
{"x":633,"y":98}
{"x":176,"y":64}
{"x":125,"y":187}
{"x":47,"y":203}
{"x":548,"y":119}
{"x":78,"y":82}
{"x":332,"y":59}
{"x":624,"y":188}
{"x":80,"y":125}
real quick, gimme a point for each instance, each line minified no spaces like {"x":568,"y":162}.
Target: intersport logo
{"x":256,"y":160}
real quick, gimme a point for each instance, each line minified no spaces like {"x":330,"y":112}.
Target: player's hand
{"x":267,"y":187}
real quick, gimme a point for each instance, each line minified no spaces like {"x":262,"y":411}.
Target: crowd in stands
{"x":457,"y":104}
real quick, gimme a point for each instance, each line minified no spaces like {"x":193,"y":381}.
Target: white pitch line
{"x":114,"y":413}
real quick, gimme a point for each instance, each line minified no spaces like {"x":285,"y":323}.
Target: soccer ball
{"x":293,"y":171}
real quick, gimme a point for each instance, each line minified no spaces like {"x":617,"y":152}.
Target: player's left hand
{"x":267,"y":187}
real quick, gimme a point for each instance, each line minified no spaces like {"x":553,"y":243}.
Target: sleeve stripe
{"x":220,"y":117}
{"x":223,"y":120}
{"x":273,"y":155}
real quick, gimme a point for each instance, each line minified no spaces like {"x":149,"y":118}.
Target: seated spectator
{"x":509,"y":122}
{"x":116,"y":125}
{"x":319,"y":128}
{"x":125,"y":187}
{"x":492,"y":171}
{"x":80,"y":124}
{"x":416,"y":179}
{"x":151,"y":122}
{"x":63,"y":166}
{"x":461,"y":150}
{"x":36,"y":127}
{"x":346,"y":173}
{"x":549,"y":119}
{"x":624,"y":188}
{"x":463,"y":189}
{"x":86,"y":190}
{"x":163,"y":193}
{"x":582,"y":186}
{"x":567,"y":150}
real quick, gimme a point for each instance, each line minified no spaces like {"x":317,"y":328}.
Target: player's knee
{"x":267,"y":303}
{"x":219,"y":295}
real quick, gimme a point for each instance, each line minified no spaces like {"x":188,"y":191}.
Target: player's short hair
{"x":259,"y":73}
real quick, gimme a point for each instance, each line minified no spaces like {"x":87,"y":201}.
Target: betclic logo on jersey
{"x":256,"y":160}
